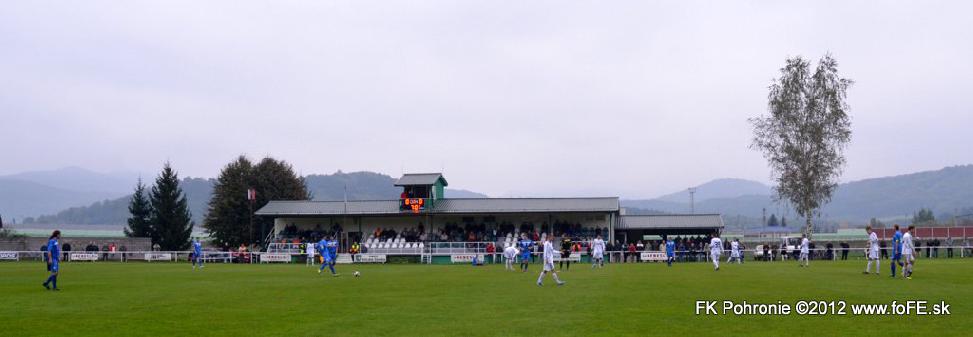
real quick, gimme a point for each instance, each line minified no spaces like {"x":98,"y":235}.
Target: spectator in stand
{"x":949,"y":247}
{"x":91,"y":247}
{"x":123,"y":249}
{"x":844,"y":250}
{"x":884,"y":249}
{"x":631,"y":252}
{"x":829,"y":252}
{"x":46,"y":260}
{"x":490,"y":250}
{"x":966,"y":246}
{"x":104,"y":249}
{"x":66,"y":248}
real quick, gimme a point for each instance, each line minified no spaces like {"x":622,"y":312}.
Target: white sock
{"x":541,"y":277}
{"x":868,"y":267}
{"x":556,"y":279}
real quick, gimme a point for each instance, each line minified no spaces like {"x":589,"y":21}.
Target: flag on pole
{"x":251,"y":194}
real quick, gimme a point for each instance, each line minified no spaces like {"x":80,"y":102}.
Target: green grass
{"x":167,"y":299}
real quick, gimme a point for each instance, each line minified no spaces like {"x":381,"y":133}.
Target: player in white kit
{"x":509,"y":255}
{"x":309,"y":249}
{"x":734,"y":251}
{"x":598,"y":253}
{"x":715,"y":250}
{"x":908,"y":248}
{"x":803,"y":260}
{"x":548,"y":263}
{"x":872,"y":250}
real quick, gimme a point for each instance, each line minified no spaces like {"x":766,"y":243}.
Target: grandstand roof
{"x":667,"y":221}
{"x":412,"y":179}
{"x":448,"y":206}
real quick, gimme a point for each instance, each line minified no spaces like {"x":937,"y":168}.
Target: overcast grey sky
{"x":510,"y":98}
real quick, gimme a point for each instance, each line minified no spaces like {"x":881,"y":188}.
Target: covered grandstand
{"x":423,"y":219}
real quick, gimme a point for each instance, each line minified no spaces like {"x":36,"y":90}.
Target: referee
{"x":565,"y":251}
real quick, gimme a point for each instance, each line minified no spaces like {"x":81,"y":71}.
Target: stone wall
{"x":77,"y":244}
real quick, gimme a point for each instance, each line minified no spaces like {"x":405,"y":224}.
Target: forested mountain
{"x":944,"y":191}
{"x":360,"y":186}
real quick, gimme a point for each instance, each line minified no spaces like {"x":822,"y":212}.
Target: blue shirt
{"x":333,"y":248}
{"x":197,"y":247}
{"x":525,"y":246}
{"x":322,"y":247}
{"x":897,"y":243}
{"x":54,"y":249}
{"x":670,"y":248}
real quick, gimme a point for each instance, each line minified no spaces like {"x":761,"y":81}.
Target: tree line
{"x":162,"y":213}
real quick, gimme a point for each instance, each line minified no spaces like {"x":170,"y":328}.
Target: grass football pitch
{"x":169,"y":299}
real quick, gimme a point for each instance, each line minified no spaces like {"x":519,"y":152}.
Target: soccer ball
{"x":357,"y":274}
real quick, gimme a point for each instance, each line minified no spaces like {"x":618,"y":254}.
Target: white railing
{"x":452,"y":248}
{"x":290,"y":248}
{"x":147,"y":256}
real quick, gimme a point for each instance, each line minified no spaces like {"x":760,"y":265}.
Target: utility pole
{"x":692,"y":200}
{"x":764,"y":217}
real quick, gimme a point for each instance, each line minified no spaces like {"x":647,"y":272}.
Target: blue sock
{"x":49,"y":278}
{"x":54,"y":280}
{"x":330,"y":266}
{"x":893,"y":269}
{"x":322,"y":266}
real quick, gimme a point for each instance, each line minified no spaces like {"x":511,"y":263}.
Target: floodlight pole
{"x":692,"y":200}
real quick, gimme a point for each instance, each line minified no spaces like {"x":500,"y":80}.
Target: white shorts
{"x":908,"y":257}
{"x":597,"y":255}
{"x":873,"y":255}
{"x":548,"y":266}
{"x":803,"y":255}
{"x":735,"y":254}
{"x":715,"y":255}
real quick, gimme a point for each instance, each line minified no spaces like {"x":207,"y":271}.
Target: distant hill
{"x":364,"y":186}
{"x":20,"y":198}
{"x":720,"y":189}
{"x":360,"y":186}
{"x":943,"y":191}
{"x":43,"y":192}
{"x":81,"y":180}
{"x":115,"y":211}
{"x":451,"y":193}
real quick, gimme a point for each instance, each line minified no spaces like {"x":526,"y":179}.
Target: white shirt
{"x":735,"y":248}
{"x":510,"y":252}
{"x":598,"y":246}
{"x":548,"y":252}
{"x":907,"y":246}
{"x":310,"y":249}
{"x":873,"y":242}
{"x":716,"y":245}
{"x":804,"y":245}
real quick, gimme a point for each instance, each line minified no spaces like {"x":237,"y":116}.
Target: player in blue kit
{"x":197,"y":254}
{"x":326,"y":258}
{"x":896,"y":249}
{"x":525,"y":247}
{"x":53,"y":257}
{"x":670,"y":251}
{"x":333,"y":251}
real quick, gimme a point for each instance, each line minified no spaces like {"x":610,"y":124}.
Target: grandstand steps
{"x":344,"y":259}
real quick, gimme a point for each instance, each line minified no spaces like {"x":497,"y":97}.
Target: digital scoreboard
{"x":413,"y":204}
